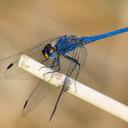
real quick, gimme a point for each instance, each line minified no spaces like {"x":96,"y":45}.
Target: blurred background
{"x":24,"y":23}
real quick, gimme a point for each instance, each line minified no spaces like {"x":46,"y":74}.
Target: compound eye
{"x":43,"y":51}
{"x":51,"y":51}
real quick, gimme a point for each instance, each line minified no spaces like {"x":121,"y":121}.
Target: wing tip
{"x":25,"y":104}
{"x":23,"y":114}
{"x":9,"y":66}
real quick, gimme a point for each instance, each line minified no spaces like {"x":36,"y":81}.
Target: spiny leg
{"x":55,"y":64}
{"x":77,"y":76}
{"x":42,"y":63}
{"x":76,"y":64}
{"x":51,"y":65}
{"x":62,"y":89}
{"x":55,"y":70}
{"x":44,"y":60}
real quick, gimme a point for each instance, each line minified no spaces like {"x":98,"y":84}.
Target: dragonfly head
{"x":49,"y":51}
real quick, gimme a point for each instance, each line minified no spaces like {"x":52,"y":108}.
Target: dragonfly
{"x":66,"y":54}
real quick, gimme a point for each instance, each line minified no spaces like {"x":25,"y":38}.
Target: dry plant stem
{"x":83,"y":92}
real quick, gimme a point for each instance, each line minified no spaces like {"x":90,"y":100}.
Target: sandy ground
{"x":24,"y":23}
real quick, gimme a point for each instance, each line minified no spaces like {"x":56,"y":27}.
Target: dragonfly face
{"x":49,"y":51}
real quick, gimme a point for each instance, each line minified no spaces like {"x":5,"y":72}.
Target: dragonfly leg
{"x":77,"y":76}
{"x":55,"y":64}
{"x":42,"y":63}
{"x":57,"y":67}
{"x":62,"y":90}
{"x":76,"y":64}
{"x":44,"y":60}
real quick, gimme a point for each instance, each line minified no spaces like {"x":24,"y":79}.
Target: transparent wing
{"x":80,"y":54}
{"x":9,"y":66}
{"x":82,"y":57}
{"x":42,"y":90}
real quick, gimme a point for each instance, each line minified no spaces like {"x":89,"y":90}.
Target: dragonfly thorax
{"x":49,"y":51}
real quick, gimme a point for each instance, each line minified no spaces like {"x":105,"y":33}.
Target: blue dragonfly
{"x":65,"y":54}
